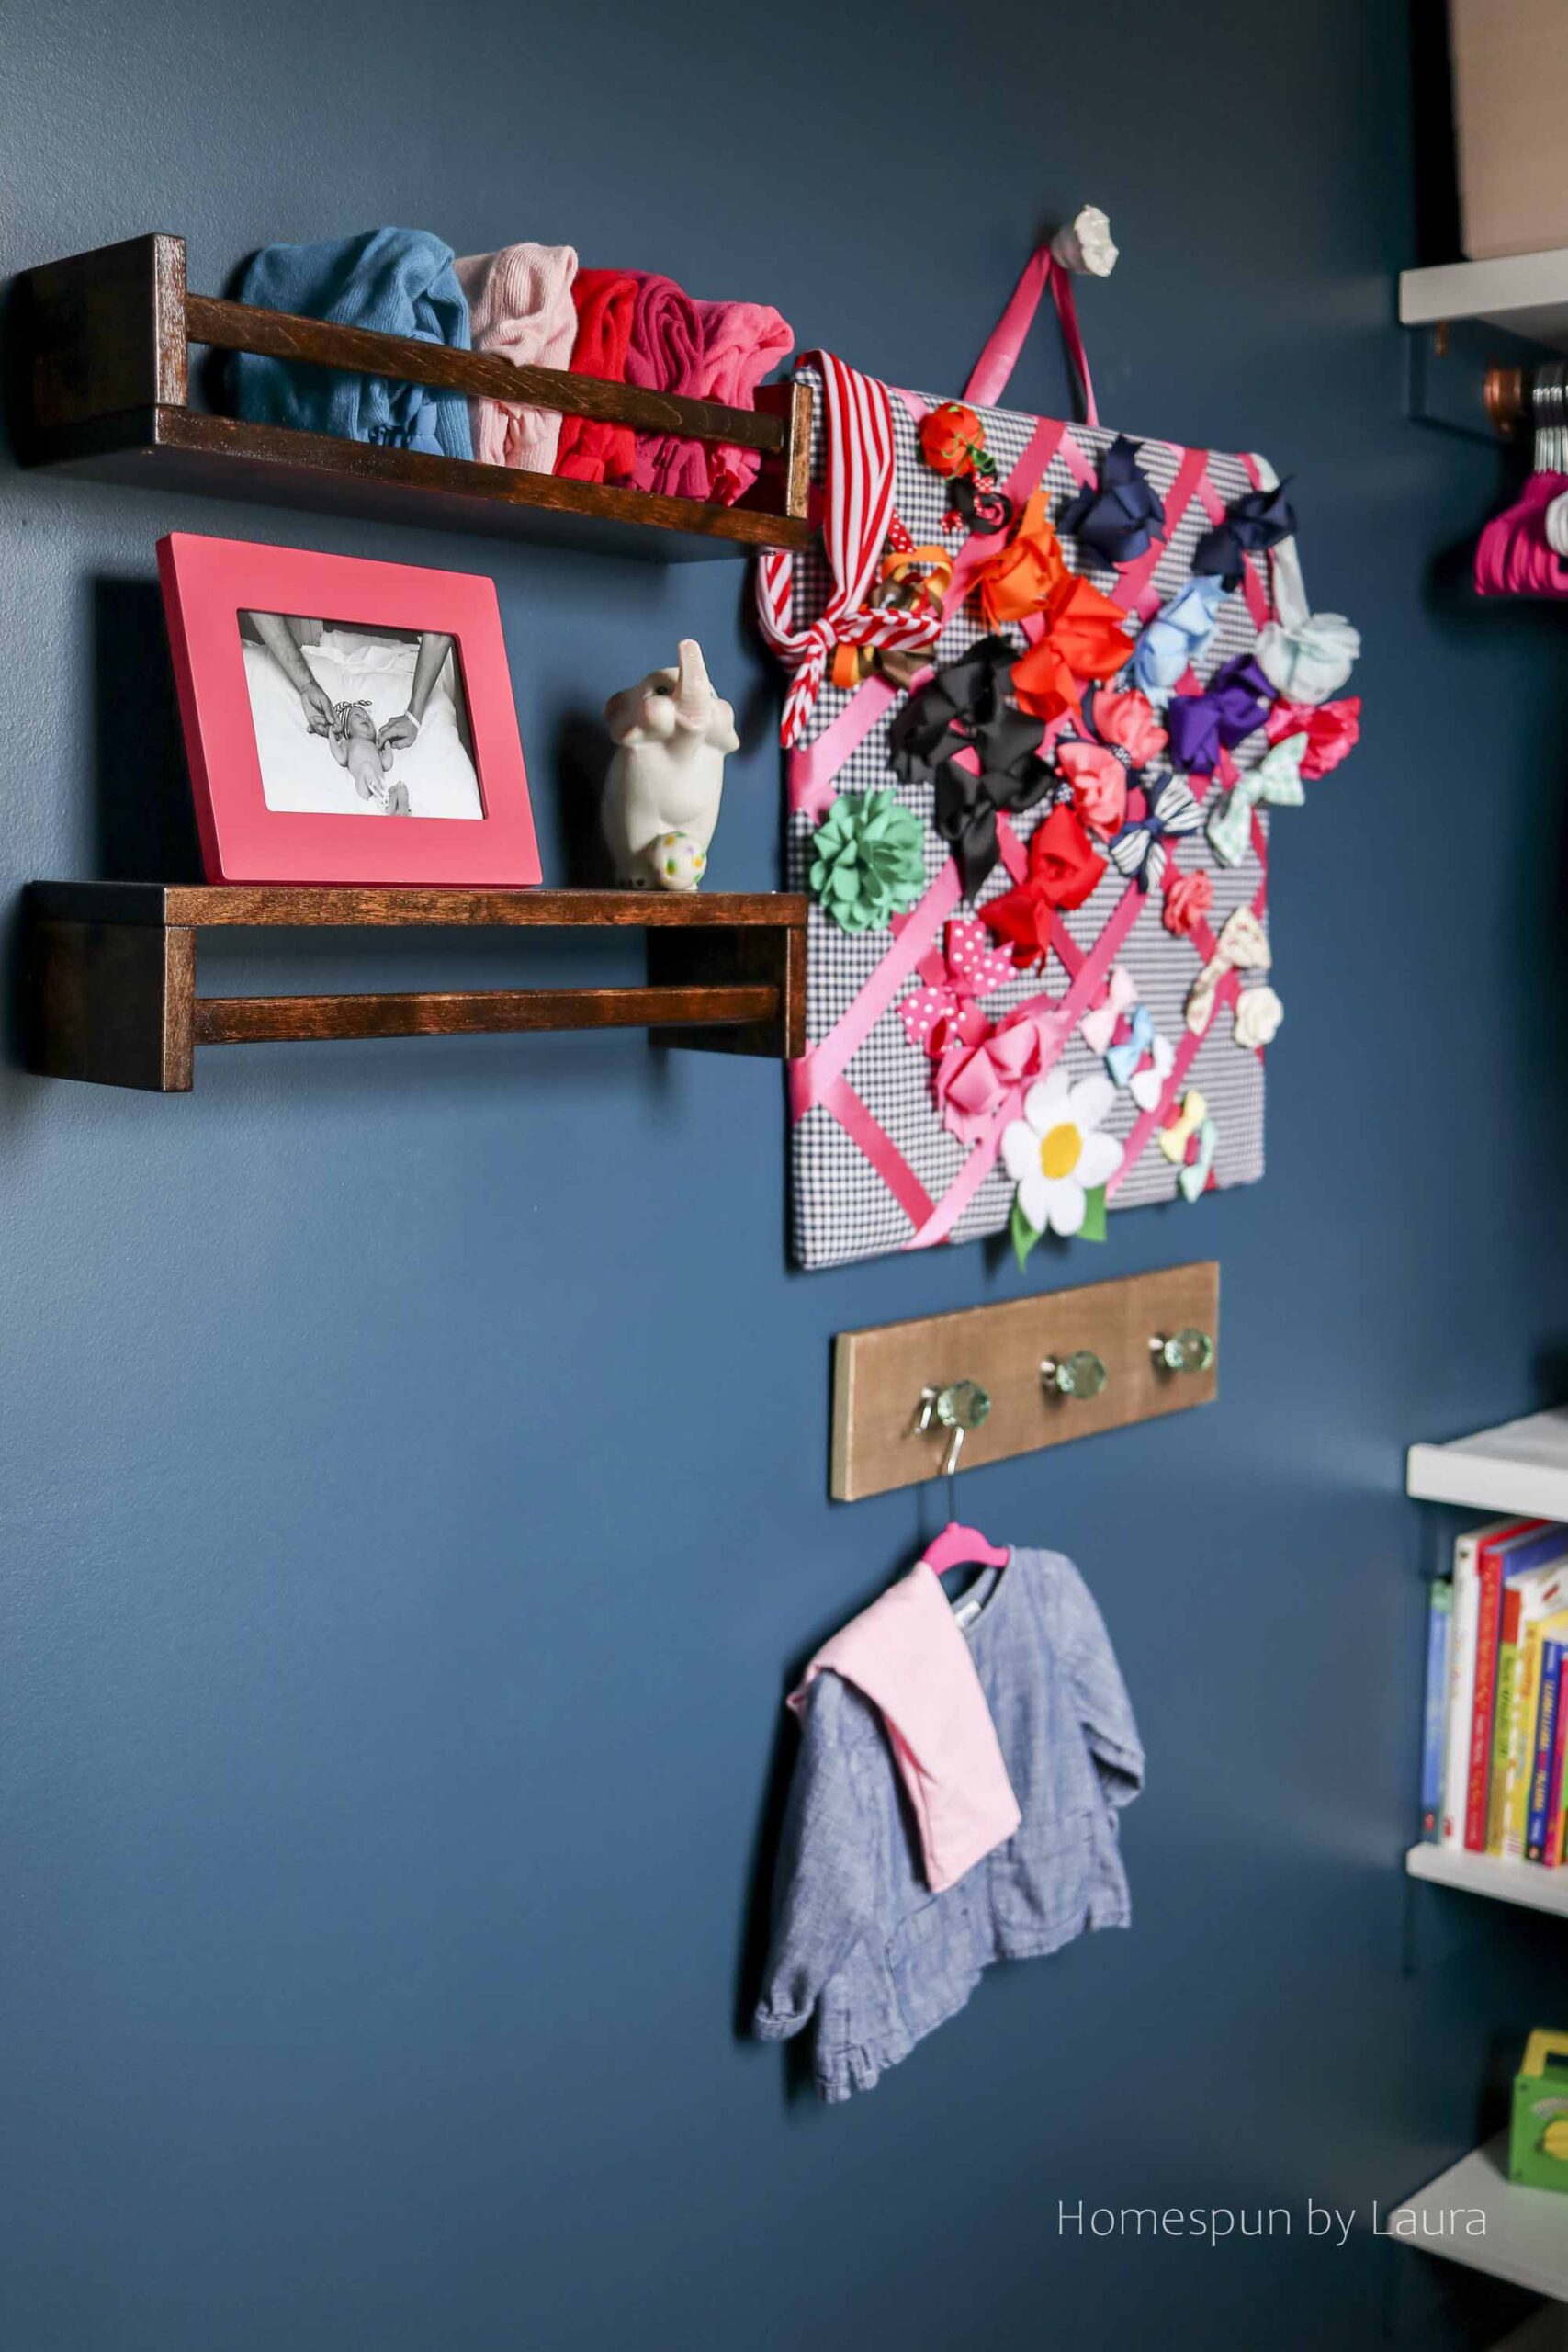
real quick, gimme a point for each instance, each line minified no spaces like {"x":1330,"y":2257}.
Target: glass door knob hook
{"x":1081,"y":1374}
{"x":1188,"y":1350}
{"x":962,"y":1405}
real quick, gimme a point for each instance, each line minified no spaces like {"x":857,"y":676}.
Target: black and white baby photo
{"x":355,"y":720}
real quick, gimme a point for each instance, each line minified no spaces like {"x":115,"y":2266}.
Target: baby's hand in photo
{"x":318,"y":708}
{"x":398,"y":734}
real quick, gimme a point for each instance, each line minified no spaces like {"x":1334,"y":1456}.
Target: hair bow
{"x":973,"y":1082}
{"x":1127,"y":722}
{"x":1100,"y":785}
{"x":1018,"y":580}
{"x":1171,"y":642}
{"x":1172,"y":811}
{"x":1064,"y":867}
{"x":983,"y":755}
{"x":1257,"y":520}
{"x":1229,"y":706}
{"x":944,"y":1011}
{"x":1242,"y":946}
{"x":1191,"y":1125}
{"x":1275,"y":781}
{"x":1311,"y":658}
{"x":1332,"y":728}
{"x":1084,"y":638}
{"x":1119,"y":518}
{"x":1098,"y":1028}
{"x":1121,"y":1061}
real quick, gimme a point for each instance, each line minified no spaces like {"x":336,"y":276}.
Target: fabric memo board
{"x":873,"y":1167}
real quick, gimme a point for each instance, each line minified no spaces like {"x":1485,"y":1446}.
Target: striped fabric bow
{"x":1242,"y":946}
{"x":1172,"y":811}
{"x":857,"y":516}
{"x":1276,"y":781}
{"x":944,"y":1013}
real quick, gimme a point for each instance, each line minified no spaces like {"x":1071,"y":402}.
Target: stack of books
{"x":1492,"y":1768}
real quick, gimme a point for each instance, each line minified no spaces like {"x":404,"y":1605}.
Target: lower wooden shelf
{"x":111,"y":972}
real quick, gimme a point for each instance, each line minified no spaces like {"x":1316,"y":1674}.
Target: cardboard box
{"x":1510,"y":83}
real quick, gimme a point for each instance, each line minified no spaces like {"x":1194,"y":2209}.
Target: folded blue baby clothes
{"x":400,"y":281}
{"x":860,"y":1943}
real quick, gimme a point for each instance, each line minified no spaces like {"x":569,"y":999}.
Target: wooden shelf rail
{"x":101,"y":379}
{"x":111,"y":970}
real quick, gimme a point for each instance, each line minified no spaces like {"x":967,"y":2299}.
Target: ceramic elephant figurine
{"x":661,"y":795}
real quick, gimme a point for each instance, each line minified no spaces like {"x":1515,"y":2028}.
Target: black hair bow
{"x":964,"y":709}
{"x":1120,"y":517}
{"x":1257,"y":520}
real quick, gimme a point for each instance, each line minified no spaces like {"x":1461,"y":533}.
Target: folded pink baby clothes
{"x":520,"y":307}
{"x":1514,"y":556}
{"x":907,"y":1656}
{"x":665,"y":354}
{"x":742,"y":341}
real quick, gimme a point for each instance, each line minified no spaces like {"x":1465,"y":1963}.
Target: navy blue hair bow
{"x":1118,"y":518}
{"x":1257,"y":520}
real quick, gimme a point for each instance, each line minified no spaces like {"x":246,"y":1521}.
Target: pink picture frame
{"x":487,"y":841}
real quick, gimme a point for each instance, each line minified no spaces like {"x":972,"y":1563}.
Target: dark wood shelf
{"x":100,"y":370}
{"x":111,"y":972}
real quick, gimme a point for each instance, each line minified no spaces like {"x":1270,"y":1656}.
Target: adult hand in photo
{"x":398,"y":734}
{"x":317,"y":708}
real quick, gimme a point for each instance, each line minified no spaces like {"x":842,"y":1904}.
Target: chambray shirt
{"x":860,"y":1943}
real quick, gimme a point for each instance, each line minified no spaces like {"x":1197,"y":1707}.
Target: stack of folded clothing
{"x":529,"y":303}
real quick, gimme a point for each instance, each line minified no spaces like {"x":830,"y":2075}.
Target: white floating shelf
{"x":1522,"y":1467}
{"x":1526,"y":293}
{"x":1526,"y":1883}
{"x":1527,"y":2229}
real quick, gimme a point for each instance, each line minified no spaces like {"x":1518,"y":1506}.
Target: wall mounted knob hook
{"x":1081,"y":1375}
{"x":961,"y":1406}
{"x":1186,"y":1350}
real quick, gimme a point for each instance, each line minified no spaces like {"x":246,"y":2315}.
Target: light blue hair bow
{"x":1172,"y":642}
{"x":1122,"y":1060}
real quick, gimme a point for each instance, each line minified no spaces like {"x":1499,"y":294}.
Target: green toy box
{"x":1538,"y":2141}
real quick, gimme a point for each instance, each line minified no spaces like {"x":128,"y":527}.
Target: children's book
{"x":1503,"y":1716}
{"x":1515,"y":1545}
{"x":1553,"y":1853}
{"x":1439,"y":1624}
{"x":1543,"y":1617}
{"x":1461,"y":1674}
{"x":1545,"y":1749}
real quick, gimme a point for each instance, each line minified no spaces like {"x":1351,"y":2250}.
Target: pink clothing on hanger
{"x":1513,"y":555}
{"x":520,"y":308}
{"x":907,"y":1656}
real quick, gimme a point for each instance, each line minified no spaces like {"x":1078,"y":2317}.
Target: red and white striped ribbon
{"x":857,"y":514}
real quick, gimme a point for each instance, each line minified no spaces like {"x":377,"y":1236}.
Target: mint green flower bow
{"x":870,"y":862}
{"x":1276,"y":781}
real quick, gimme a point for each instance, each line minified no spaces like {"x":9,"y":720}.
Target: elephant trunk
{"x":693,"y":695}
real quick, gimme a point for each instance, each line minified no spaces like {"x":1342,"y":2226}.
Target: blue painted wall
{"x":412,"y":1457}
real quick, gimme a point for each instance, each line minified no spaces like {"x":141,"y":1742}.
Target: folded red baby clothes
{"x":666,"y":355}
{"x":588,"y":450}
{"x":520,"y":308}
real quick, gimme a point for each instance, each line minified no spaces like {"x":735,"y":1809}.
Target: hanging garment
{"x":742,"y":341}
{"x":1515,"y":555}
{"x":520,"y":308}
{"x":398,"y":281}
{"x":906,"y":1654}
{"x":861,"y":1942}
{"x":590,"y":451}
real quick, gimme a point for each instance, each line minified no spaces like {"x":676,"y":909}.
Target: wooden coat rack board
{"x":880,"y":1375}
{"x":100,"y":372}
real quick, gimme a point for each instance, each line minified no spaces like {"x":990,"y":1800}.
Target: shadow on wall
{"x":144,"y":816}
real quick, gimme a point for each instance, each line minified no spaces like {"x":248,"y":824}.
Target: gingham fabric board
{"x":842,"y":1207}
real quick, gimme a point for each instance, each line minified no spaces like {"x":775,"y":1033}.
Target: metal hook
{"x":959,"y":1407}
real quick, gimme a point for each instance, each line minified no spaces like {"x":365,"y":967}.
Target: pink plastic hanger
{"x":962,"y":1547}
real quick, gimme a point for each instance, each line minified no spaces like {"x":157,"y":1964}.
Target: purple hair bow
{"x":1257,"y":520}
{"x":1223,"y":715}
{"x":1120,"y":517}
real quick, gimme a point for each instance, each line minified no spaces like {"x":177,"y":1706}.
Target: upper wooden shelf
{"x":101,"y":387}
{"x":111,"y":972}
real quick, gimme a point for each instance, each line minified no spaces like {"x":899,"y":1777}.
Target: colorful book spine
{"x":1545,"y":1750}
{"x":1503,"y":1717}
{"x":1544,"y":1618}
{"x":1461,"y":1681}
{"x":1553,"y":1853}
{"x":1440,"y":1625}
{"x":1494,"y":1545}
